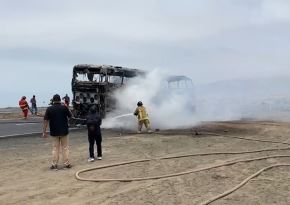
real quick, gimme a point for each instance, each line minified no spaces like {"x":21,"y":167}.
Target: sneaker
{"x":54,"y":167}
{"x":91,"y":159}
{"x":99,"y":158}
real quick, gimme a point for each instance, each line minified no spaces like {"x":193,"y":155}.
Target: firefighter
{"x":143,"y":118}
{"x":24,"y":106}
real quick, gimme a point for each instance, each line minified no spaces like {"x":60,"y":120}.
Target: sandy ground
{"x":26,"y":178}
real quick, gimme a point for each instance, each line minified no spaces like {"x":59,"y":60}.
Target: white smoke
{"x":166,"y":107}
{"x":244,"y":98}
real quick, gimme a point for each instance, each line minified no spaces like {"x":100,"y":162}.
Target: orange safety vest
{"x":23,"y":104}
{"x":142,"y":114}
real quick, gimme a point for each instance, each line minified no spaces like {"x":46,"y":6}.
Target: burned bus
{"x":93,"y":85}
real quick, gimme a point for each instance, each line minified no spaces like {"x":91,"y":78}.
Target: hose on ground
{"x":244,"y":138}
{"x":77,"y":175}
{"x":219,"y":135}
{"x":241,"y":184}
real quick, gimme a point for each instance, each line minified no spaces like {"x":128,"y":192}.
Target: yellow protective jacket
{"x":141,"y":113}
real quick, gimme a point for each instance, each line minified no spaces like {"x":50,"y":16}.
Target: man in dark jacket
{"x":33,"y":105}
{"x":57,"y":117}
{"x":94,"y":122}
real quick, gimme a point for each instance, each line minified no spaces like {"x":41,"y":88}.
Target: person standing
{"x":57,"y":117}
{"x":66,"y":100}
{"x":94,"y":122}
{"x":143,"y":118}
{"x":24,"y":106}
{"x":33,"y":105}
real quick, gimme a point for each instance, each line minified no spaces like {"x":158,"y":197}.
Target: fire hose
{"x":77,"y":175}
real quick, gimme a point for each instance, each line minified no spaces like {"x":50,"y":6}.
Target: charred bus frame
{"x":96,"y":86}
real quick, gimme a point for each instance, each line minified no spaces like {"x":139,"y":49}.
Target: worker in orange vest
{"x":24,"y":106}
{"x":143,"y":118}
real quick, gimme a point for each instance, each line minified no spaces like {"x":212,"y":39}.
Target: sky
{"x":208,"y":40}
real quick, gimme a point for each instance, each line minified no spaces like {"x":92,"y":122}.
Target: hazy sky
{"x":209,"y":40}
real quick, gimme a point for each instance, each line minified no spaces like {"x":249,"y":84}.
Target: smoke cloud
{"x":173,"y":105}
{"x":169,"y":105}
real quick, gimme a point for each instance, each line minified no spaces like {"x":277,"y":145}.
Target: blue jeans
{"x":34,"y":110}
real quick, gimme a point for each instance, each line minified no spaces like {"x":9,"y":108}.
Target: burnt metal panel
{"x":98,"y":87}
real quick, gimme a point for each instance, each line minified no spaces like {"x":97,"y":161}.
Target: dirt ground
{"x":27,"y":179}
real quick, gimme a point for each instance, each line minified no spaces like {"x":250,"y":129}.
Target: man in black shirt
{"x":57,"y":117}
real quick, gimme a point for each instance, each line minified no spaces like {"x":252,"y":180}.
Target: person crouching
{"x":94,"y":122}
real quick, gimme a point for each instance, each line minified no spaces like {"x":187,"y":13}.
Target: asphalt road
{"x":15,"y":127}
